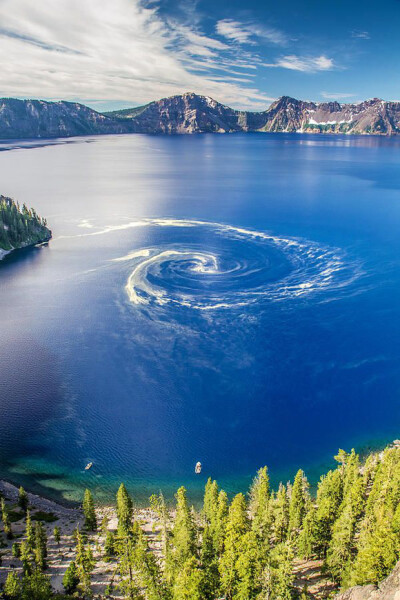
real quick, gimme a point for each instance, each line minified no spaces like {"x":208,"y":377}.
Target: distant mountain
{"x":191,"y":113}
{"x":40,"y":119}
{"x":188,"y":113}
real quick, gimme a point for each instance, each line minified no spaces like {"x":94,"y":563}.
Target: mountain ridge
{"x":191,"y":113}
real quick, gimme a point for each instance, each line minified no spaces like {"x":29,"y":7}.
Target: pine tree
{"x":57,"y":535}
{"x":109,"y":545}
{"x":281,"y":514}
{"x":6,"y":520}
{"x":40,"y":551}
{"x":84,"y":564}
{"x":23,"y":501}
{"x":236,"y":526}
{"x":260,"y":504}
{"x":306,"y":540}
{"x":89,"y":511}
{"x":340,"y":551}
{"x":157,"y":504}
{"x":128,"y":584}
{"x":209,"y":564}
{"x":124,"y":510}
{"x":329,"y":498}
{"x":249,"y":567}
{"x":16,"y":550}
{"x":36,"y":587}
{"x":26,"y":558}
{"x":210,"y":505}
{"x":189,"y":581}
{"x":12,"y":588}
{"x":149,"y":574}
{"x":219,"y":527}
{"x":71,"y":578}
{"x":184,"y":531}
{"x":297,"y":505}
{"x":377,"y":551}
{"x":29,"y":532}
{"x":277,"y":577}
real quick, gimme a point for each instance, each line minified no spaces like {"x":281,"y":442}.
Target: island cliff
{"x":20,"y":227}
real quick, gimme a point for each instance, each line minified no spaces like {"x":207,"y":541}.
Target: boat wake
{"x":210,"y":266}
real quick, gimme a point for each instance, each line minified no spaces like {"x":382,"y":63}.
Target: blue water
{"x":230,"y":299}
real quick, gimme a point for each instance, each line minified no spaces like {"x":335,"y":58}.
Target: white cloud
{"x":302,"y":63}
{"x":364,"y":35}
{"x":245,"y":33}
{"x":119,"y":51}
{"x":336,"y":95}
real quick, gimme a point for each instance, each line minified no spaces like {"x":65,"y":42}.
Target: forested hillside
{"x":234,"y":550}
{"x":20,"y":227}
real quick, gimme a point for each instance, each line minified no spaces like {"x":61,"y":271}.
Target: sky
{"x":245,"y":54}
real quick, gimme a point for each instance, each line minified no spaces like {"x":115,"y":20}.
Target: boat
{"x":88,"y":466}
{"x":197,"y":468}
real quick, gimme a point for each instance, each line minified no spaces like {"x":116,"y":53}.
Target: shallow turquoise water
{"x":229,"y":299}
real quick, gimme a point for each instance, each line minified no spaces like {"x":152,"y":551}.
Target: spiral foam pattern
{"x":225,"y":267}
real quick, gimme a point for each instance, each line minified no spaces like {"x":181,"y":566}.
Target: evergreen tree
{"x":148,"y":572}
{"x":40,"y":551}
{"x":12,"y":588}
{"x":57,"y":535}
{"x":23,"y":501}
{"x":277,"y":577}
{"x":109,"y":545}
{"x":377,"y":554}
{"x":210,"y":505}
{"x":297,"y":505}
{"x":128,"y":584}
{"x":237,"y":526}
{"x":189,"y":581}
{"x":26,"y":558}
{"x":306,"y":540}
{"x":6,"y":520}
{"x":29,"y":532}
{"x":219,"y":527}
{"x":36,"y":586}
{"x":340,"y":551}
{"x":124,"y":510}
{"x":84,"y":563}
{"x":209,"y":564}
{"x":329,"y":498}
{"x":89,"y":511}
{"x":260,"y":504}
{"x":184,"y":531}
{"x":281,"y":514}
{"x":71,"y":578}
{"x":249,"y":567}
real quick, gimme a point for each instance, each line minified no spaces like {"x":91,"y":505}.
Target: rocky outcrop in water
{"x":20,"y":227}
{"x":389,"y":589}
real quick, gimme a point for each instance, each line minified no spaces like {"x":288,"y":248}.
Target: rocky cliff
{"x":191,"y":113}
{"x":389,"y":589}
{"x":40,"y":119}
{"x":188,"y":113}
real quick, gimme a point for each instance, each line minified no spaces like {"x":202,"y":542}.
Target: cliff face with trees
{"x":20,"y":227}
{"x":241,"y":549}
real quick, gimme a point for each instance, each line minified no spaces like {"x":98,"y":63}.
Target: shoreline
{"x":10,"y":492}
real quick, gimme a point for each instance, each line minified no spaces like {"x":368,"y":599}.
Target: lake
{"x":232,"y":299}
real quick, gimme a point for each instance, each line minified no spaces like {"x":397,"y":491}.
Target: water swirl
{"x":219,"y":266}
